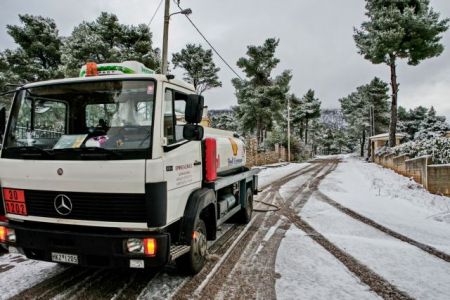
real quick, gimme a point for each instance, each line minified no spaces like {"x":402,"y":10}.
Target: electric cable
{"x":208,"y":42}
{"x":150,"y":22}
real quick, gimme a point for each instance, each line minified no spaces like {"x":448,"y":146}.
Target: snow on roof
{"x":385,"y":136}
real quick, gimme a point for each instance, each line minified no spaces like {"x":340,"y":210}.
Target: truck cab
{"x":111,"y":169}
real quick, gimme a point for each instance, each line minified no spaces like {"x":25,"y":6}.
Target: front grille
{"x":89,"y":206}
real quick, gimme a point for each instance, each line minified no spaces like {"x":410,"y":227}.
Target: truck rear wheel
{"x":245,"y":215}
{"x":193,"y":261}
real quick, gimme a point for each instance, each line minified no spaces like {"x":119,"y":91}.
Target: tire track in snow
{"x":429,"y":249}
{"x":213,"y":282}
{"x":53,"y":286}
{"x":375,"y":282}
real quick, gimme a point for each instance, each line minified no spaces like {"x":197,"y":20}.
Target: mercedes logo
{"x":63,"y":205}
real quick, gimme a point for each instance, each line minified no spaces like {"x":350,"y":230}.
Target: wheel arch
{"x":201,"y":205}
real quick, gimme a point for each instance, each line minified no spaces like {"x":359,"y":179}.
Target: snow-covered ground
{"x":308,"y":271}
{"x":20,"y":273}
{"x":414,"y":271}
{"x":391,"y":200}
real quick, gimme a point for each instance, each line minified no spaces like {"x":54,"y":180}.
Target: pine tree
{"x":311,"y":108}
{"x":224,"y":120}
{"x":106,"y":40}
{"x":38,"y":56}
{"x":400,"y":29}
{"x":356,"y":109}
{"x":432,"y":126}
{"x":200,"y":68}
{"x":410,"y":121}
{"x":261,"y":97}
{"x":353,"y":107}
{"x":297,"y":115}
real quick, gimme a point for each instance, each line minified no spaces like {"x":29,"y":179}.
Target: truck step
{"x":177,"y":251}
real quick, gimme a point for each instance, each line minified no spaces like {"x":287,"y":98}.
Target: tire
{"x":194,"y":261}
{"x":245,"y":215}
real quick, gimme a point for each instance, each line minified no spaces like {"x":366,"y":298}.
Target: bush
{"x":437,"y":147}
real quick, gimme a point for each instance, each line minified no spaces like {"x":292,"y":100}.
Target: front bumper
{"x":95,"y":247}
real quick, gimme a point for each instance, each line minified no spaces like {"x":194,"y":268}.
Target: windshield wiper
{"x":99,"y":150}
{"x":90,"y":151}
{"x":25,"y":151}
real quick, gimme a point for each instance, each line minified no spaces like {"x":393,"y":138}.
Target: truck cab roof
{"x":157,"y":77}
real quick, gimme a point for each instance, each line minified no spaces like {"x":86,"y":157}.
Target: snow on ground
{"x":271,"y":173}
{"x":391,"y":200}
{"x":310,"y":272}
{"x":412,"y":270}
{"x":161,"y":287}
{"x":22,"y":273}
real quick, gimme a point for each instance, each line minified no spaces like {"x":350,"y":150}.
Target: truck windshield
{"x":98,"y":119}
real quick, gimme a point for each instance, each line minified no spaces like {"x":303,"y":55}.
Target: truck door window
{"x":180,"y":108}
{"x":175,"y":107}
{"x":169,"y":123}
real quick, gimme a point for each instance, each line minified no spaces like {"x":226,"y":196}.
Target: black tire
{"x":245,"y":215}
{"x":194,"y":261}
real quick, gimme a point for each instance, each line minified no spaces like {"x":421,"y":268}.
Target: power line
{"x":177,"y":2}
{"x":206,"y":40}
{"x":150,"y":22}
{"x":154,"y":14}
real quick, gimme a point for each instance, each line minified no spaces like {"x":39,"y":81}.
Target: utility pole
{"x":289,"y":128}
{"x":165,"y":37}
{"x":373,"y":121}
{"x":167,"y":15}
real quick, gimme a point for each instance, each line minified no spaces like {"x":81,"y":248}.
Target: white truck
{"x":112,"y":169}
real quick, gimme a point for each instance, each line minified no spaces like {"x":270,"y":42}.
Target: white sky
{"x":315,"y":42}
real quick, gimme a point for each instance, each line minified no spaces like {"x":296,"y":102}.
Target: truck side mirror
{"x":2,"y":123}
{"x":194,"y":109}
{"x":193,"y":132}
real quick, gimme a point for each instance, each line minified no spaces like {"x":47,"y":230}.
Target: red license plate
{"x":16,"y":208}
{"x":14,"y":195}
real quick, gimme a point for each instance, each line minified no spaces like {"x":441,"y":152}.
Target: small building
{"x":380,"y":140}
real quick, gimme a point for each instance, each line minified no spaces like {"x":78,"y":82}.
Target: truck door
{"x":182,"y":159}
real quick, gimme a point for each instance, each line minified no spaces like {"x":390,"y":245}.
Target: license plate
{"x":65,"y":258}
{"x":137,"y":264}
{"x":14,"y":195}
{"x":16,"y":208}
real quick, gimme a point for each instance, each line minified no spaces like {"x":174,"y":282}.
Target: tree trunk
{"x":363,"y":141}
{"x":258,"y":132}
{"x":394,"y":86}
{"x":301,"y":130}
{"x":306,"y":132}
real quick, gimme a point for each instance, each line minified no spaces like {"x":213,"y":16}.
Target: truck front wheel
{"x":193,"y":261}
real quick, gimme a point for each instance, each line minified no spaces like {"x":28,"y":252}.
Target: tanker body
{"x":230,"y":150}
{"x":112,"y":170}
